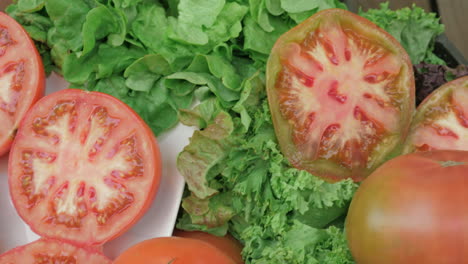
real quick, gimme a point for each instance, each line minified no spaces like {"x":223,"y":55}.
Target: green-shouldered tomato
{"x":341,"y":94}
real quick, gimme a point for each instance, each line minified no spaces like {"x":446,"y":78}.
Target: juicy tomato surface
{"x":174,"y":250}
{"x":441,"y":120}
{"x":227,"y":244}
{"x":83,"y":167}
{"x":48,"y":251}
{"x":412,"y":209}
{"x":341,"y":94}
{"x":22,"y":78}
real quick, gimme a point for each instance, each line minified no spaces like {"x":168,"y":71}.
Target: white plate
{"x":157,"y":222}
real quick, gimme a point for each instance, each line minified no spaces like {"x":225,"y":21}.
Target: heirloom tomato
{"x":441,"y":120}
{"x":412,"y":210}
{"x":341,"y":94}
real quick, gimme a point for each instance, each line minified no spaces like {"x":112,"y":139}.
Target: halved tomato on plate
{"x":83,"y":168}
{"x":22,"y":78}
{"x":341,"y":93}
{"x":53,"y":251}
{"x":441,"y":120}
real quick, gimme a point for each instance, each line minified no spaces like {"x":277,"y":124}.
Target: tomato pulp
{"x":22,"y":78}
{"x":412,"y":210}
{"x":83,"y":168}
{"x":341,"y":94}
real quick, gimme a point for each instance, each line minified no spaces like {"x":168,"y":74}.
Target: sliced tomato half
{"x":48,"y":251}
{"x":441,"y":120}
{"x":84,"y":167}
{"x":341,"y":94}
{"x":22,"y":78}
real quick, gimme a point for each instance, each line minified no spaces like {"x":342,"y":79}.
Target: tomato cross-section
{"x":341,"y":93}
{"x":45,"y":251}
{"x":22,"y":78}
{"x":441,"y":120}
{"x":83,"y":168}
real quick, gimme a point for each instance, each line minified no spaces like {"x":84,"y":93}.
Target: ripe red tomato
{"x":22,"y":78}
{"x":441,"y":120}
{"x":53,"y":251}
{"x":412,"y":210}
{"x":83,"y":168}
{"x":227,"y":244}
{"x":341,"y":94}
{"x":174,"y":250}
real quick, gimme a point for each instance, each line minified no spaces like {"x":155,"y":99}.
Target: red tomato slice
{"x":84,"y":167}
{"x":173,"y":250}
{"x":52,"y":251}
{"x":441,"y":120}
{"x":341,"y":93}
{"x":22,"y":78}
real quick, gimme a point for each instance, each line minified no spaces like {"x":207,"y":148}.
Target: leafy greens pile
{"x":160,"y":57}
{"x":415,"y":29}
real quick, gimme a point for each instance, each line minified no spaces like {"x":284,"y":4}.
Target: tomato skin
{"x":227,"y":244}
{"x":143,"y":190}
{"x":53,"y":251}
{"x":174,"y":250}
{"x":300,"y":138}
{"x":33,"y":85}
{"x":412,"y":210}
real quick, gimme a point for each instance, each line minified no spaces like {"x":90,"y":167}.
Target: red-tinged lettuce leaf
{"x":429,"y":77}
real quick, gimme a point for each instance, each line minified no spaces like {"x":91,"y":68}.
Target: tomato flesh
{"x":341,"y":93}
{"x":22,"y":78}
{"x":441,"y":120}
{"x":411,"y":210}
{"x":84,"y":167}
{"x":45,"y":251}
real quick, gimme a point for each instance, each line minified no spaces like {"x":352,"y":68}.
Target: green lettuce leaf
{"x":256,"y":195}
{"x":415,"y":29}
{"x":30,"y":5}
{"x":143,"y":73}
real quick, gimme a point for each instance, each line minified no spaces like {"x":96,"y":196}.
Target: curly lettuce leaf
{"x":415,"y":29}
{"x":259,"y":197}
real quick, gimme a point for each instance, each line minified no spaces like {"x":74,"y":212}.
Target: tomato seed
{"x":5,"y":40}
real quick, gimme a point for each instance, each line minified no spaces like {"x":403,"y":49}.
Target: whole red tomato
{"x":412,"y":209}
{"x":174,"y":250}
{"x":227,"y":244}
